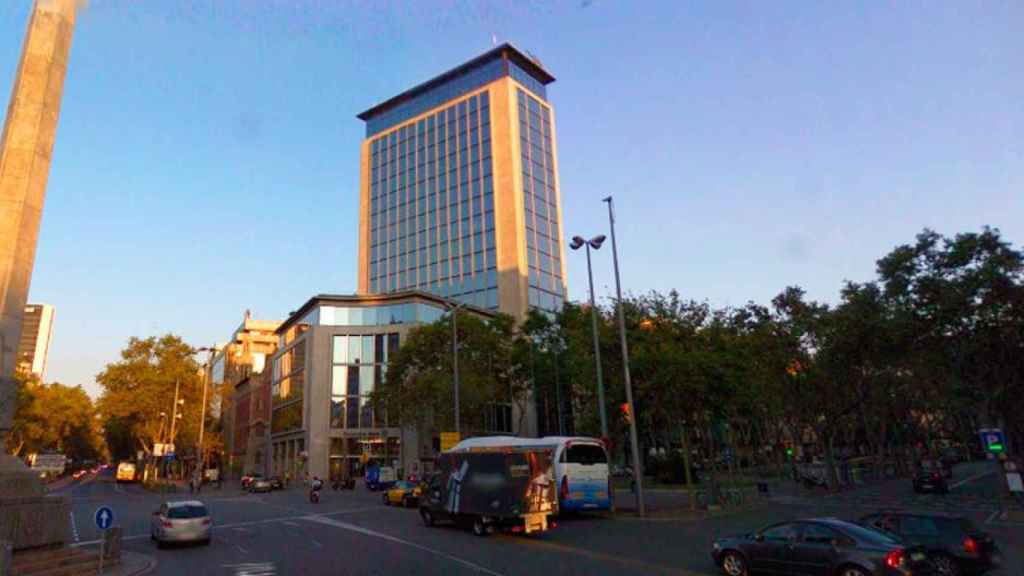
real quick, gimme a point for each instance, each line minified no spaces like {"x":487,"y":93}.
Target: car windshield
{"x":586,"y":454}
{"x":869,"y":535}
{"x":187,"y":511}
{"x":403,"y":485}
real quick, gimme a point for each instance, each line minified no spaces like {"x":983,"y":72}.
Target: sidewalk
{"x":132,"y":564}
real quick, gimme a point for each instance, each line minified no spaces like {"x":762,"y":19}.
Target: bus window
{"x":586,"y":454}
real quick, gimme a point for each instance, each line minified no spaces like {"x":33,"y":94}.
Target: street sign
{"x":993,"y":440}
{"x":104,"y":517}
{"x":449,"y":440}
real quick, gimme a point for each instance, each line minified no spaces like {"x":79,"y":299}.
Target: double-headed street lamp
{"x":595,"y":243}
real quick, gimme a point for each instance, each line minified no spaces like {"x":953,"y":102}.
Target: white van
{"x":580,"y":466}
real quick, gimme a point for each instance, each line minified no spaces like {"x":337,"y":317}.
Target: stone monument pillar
{"x":28,"y":517}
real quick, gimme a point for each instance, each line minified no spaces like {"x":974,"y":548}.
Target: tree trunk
{"x":830,"y":460}
{"x":686,"y":465}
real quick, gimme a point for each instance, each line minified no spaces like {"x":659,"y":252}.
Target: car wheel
{"x":945,"y":566}
{"x":160,"y":544}
{"x":385,"y":499}
{"x":852,"y":571}
{"x":479,"y":528}
{"x":406,"y":502}
{"x":206,"y":542}
{"x":733,"y":564}
{"x":428,"y":518}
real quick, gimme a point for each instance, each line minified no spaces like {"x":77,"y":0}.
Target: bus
{"x":580,"y":466}
{"x":125,"y":472}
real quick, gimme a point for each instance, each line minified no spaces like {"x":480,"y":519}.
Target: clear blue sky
{"x":207,"y":155}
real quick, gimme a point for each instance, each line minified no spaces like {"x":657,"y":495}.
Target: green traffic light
{"x":995,"y":447}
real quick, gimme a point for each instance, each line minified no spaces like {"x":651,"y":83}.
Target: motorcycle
{"x":314,"y":492}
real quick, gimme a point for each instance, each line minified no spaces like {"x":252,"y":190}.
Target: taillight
{"x":971,"y":545}
{"x":206,"y":521}
{"x":894,"y":559}
{"x":167,"y":524}
{"x":935,"y":475}
{"x":563,"y":492}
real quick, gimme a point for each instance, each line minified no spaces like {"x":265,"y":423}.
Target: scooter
{"x":314,"y":495}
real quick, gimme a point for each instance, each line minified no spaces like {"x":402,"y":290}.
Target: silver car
{"x":261,"y":485}
{"x":186,"y":521}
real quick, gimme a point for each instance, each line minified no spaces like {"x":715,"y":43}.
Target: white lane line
{"x":245,"y":524}
{"x":74,"y":526}
{"x":241,"y":549}
{"x":382,"y":536}
{"x":972,"y":478}
{"x":289,"y":523}
{"x":992,"y":516}
{"x":242,"y":530}
{"x":315,"y":543}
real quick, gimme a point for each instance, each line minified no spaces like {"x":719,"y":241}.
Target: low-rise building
{"x":332,"y":352}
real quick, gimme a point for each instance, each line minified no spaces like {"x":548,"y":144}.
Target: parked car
{"x":185,"y":521}
{"x":929,"y":477}
{"x":954,"y":544}
{"x":819,"y":546}
{"x":248,"y":478}
{"x":405,"y":493}
{"x":276,"y":483}
{"x":260,"y":484}
{"x":950,"y":457}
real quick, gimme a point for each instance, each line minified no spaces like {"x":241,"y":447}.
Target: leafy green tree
{"x":140,"y":386}
{"x":55,"y":418}
{"x":419,"y":386}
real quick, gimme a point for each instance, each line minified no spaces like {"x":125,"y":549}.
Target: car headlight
{"x":716,"y":546}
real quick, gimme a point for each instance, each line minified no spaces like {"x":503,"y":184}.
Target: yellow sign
{"x":449,"y":440}
{"x":364,"y":458}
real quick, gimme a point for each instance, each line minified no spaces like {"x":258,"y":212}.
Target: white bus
{"x":580,"y":466}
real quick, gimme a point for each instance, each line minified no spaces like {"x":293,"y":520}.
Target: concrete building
{"x":459,"y":191}
{"x":236,"y":367}
{"x":36,"y":333}
{"x":332,"y":352}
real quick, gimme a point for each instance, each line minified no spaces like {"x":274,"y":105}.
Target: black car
{"x":954,"y":543}
{"x":819,"y":546}
{"x":930,"y":476}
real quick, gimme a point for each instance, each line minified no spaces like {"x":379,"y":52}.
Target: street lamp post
{"x":455,"y":361}
{"x":202,"y":417}
{"x":637,"y":471}
{"x":594,"y":243}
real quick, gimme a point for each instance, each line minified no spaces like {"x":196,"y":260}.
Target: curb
{"x":122,"y":569}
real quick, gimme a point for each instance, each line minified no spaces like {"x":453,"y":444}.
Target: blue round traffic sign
{"x":104,"y":517}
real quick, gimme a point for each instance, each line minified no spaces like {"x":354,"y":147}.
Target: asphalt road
{"x":351,"y":532}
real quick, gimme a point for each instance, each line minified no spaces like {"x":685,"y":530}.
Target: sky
{"x":207,"y":157}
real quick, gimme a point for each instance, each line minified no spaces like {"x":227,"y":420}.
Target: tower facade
{"x":459,"y":191}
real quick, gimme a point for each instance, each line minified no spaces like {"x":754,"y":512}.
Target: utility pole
{"x":637,"y":470}
{"x":455,"y":367}
{"x":174,"y":410}
{"x":597,"y":351}
{"x":201,"y":460}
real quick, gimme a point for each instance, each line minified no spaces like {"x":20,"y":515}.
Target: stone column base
{"x":30,"y":518}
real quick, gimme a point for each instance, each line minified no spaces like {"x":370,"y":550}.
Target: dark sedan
{"x":930,"y":477}
{"x":954,"y":543}
{"x":819,"y":547}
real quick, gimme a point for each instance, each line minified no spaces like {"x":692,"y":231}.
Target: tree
{"x":419,"y":386}
{"x":54,"y":418}
{"x":139,"y":387}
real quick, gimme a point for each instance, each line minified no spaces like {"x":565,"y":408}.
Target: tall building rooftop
{"x":503,"y":60}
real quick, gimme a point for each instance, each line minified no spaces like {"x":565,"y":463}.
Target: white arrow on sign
{"x":104,"y":517}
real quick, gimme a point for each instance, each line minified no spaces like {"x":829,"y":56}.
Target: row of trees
{"x":933,"y":349}
{"x":54,"y":418}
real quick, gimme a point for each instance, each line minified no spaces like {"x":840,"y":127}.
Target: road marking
{"x":245,"y":524}
{"x":382,"y":536}
{"x":74,"y":526}
{"x":315,"y":543}
{"x":609,"y":558}
{"x":242,"y":530}
{"x":241,"y":549}
{"x":252,"y":569}
{"x":971,"y":479}
{"x":992,"y":516}
{"x":290,"y":523}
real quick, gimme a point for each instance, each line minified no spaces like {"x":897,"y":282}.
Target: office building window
{"x":358,"y":365}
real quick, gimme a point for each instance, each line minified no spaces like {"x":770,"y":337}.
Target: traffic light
{"x":627,"y":414}
{"x":789,"y":452}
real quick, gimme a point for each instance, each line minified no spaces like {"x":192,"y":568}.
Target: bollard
{"x":112,"y":543}
{"x":6,"y":551}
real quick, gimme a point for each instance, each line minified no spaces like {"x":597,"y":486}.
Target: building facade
{"x":34,"y":345}
{"x":459,"y":191}
{"x":332,"y":353}
{"x":234,"y":375}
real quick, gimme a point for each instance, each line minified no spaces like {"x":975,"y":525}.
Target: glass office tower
{"x":459,"y":188}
